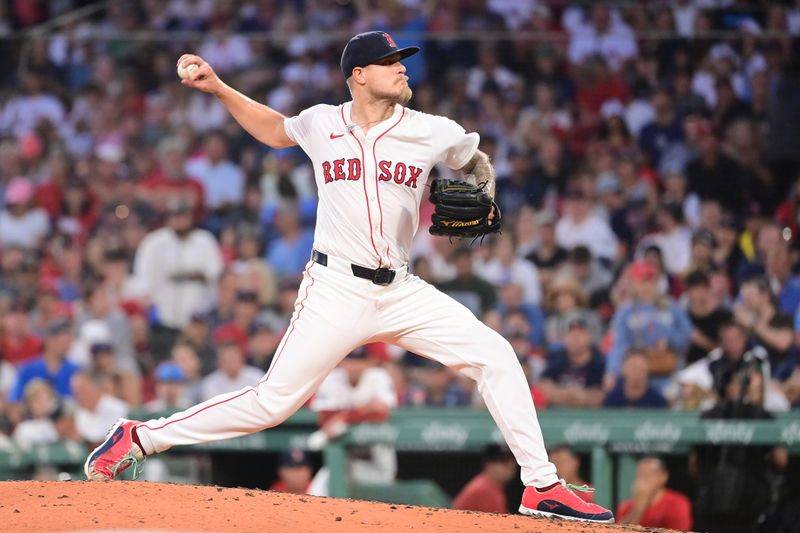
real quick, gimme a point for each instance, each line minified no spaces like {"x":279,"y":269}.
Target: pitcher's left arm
{"x":479,"y":169}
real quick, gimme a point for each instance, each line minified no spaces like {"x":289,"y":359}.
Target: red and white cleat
{"x":560,"y":501}
{"x":115,"y":454}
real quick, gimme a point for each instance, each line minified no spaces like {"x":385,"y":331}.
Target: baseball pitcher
{"x":371,"y":158}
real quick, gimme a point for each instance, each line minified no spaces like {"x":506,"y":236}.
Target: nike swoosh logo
{"x":334,"y":136}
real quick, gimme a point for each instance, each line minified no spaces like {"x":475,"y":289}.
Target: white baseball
{"x":184,"y":72}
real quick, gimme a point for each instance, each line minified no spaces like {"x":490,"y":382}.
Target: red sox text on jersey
{"x":350,"y":169}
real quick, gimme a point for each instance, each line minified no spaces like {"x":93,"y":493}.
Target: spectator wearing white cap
{"x":21,"y":223}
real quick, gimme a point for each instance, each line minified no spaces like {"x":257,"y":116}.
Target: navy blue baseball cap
{"x":294,"y":457}
{"x":370,"y":47}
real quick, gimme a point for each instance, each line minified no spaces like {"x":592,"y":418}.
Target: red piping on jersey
{"x":291,"y":326}
{"x":366,"y":200}
{"x":375,"y":159}
{"x":251,"y":389}
{"x":197,"y":412}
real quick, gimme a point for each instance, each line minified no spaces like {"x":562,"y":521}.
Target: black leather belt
{"x":378,"y":276}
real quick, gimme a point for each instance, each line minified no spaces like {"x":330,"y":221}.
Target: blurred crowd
{"x":150,"y":250}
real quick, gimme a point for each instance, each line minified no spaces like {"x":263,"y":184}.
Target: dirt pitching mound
{"x":34,"y":506}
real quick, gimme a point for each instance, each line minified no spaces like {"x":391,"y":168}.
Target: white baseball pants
{"x":335,"y":313}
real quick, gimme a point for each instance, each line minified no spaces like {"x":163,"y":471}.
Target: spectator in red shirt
{"x":169,"y":180}
{"x":294,"y":472}
{"x":79,"y":210}
{"x":17,"y":344}
{"x":50,"y":193}
{"x":485,"y":492}
{"x":598,"y":84}
{"x":245,"y":311}
{"x":652,"y":504}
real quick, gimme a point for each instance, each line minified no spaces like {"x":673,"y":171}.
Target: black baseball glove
{"x":462,"y":209}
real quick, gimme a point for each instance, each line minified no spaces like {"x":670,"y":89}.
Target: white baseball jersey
{"x":370,"y":186}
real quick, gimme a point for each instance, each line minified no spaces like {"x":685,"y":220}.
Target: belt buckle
{"x":383,"y":276}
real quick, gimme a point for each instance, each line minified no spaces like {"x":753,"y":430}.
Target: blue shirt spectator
{"x":574,"y":374}
{"x":535,"y":317}
{"x":648,"y":321}
{"x":783,"y":282}
{"x":789,"y":297}
{"x":656,"y":138}
{"x":38,"y":369}
{"x":520,"y":186}
{"x":222,"y":180}
{"x":562,"y":370}
{"x":617,"y":398}
{"x":666,"y":129}
{"x":788,"y":377}
{"x":288,"y":258}
{"x":289,"y":253}
{"x":644,"y":325}
{"x":632,"y":388}
{"x":53,"y":366}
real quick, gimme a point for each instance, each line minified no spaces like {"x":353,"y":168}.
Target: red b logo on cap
{"x":389,"y":40}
